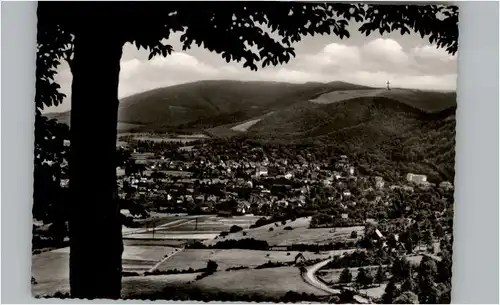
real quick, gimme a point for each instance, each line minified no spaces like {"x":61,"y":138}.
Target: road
{"x":164,"y":260}
{"x":310,"y":278}
{"x":171,"y":224}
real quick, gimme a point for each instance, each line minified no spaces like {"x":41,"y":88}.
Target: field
{"x":51,"y":269}
{"x":178,"y":230}
{"x":198,"y":258}
{"x":211,"y":224}
{"x":269,"y":282}
{"x":153,"y":284}
{"x":301,"y":233}
{"x":244,"y":126}
{"x":425,"y":100}
{"x":142,"y":253}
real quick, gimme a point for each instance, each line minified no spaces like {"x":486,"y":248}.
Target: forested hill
{"x":206,"y":104}
{"x":387,"y":130}
{"x":384,"y":135}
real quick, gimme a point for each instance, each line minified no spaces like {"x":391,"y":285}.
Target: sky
{"x":405,"y":61}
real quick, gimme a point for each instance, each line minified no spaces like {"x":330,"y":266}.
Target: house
{"x":120,"y":172}
{"x":299,"y":259}
{"x":351,"y":170}
{"x":243,"y":207}
{"x":446,"y":185}
{"x":408,"y":188}
{"x":261,"y":171}
{"x":379,"y":182}
{"x":345,"y":215}
{"x":418,"y":179}
{"x":64,"y":182}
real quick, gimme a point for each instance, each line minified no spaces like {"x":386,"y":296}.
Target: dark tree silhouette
{"x":91,"y":36}
{"x":345,"y":276}
{"x":380,"y":275}
{"x":390,"y":293}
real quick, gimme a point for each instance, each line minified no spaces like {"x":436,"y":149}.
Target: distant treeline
{"x":247,"y":244}
{"x":358,"y":259}
{"x":253,"y":244}
{"x":327,"y":221}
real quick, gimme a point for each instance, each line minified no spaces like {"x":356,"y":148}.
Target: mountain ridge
{"x":210,"y":103}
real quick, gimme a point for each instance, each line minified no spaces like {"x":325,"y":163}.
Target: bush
{"x":244,"y":233}
{"x":271,"y":229}
{"x":237,"y":268}
{"x":212,"y":266}
{"x":129,"y":273}
{"x":270,"y":264}
{"x":327,"y":221}
{"x":235,"y":229}
{"x":357,"y":259}
{"x":246,"y":243}
{"x":293,"y":297}
{"x":196,"y":245}
{"x":283,"y":222}
{"x":172,"y":271}
{"x":261,"y":222}
{"x":354,"y":234}
{"x":345,"y":276}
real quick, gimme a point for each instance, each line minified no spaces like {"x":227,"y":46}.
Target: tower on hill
{"x":388,"y":85}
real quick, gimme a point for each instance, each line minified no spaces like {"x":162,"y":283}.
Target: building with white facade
{"x":419,"y":179}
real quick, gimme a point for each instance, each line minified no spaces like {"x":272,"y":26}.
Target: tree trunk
{"x":94,"y":225}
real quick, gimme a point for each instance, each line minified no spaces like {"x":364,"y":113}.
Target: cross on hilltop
{"x":388,"y":85}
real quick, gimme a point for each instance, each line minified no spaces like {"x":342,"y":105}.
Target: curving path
{"x":310,"y":278}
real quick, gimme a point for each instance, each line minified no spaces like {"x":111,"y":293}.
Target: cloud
{"x":371,"y":63}
{"x":386,"y":50}
{"x":432,"y":52}
{"x":333,"y":55}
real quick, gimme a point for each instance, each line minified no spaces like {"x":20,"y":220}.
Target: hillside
{"x":385,"y":135}
{"x":387,"y":132}
{"x":207,"y":104}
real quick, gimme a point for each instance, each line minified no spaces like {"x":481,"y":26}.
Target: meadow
{"x":299,"y":234}
{"x":198,"y":258}
{"x":267,"y":282}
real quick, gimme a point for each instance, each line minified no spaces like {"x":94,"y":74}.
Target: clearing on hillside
{"x":300,"y":234}
{"x":427,"y":101}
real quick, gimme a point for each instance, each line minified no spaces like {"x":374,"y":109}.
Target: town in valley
{"x":224,"y":219}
